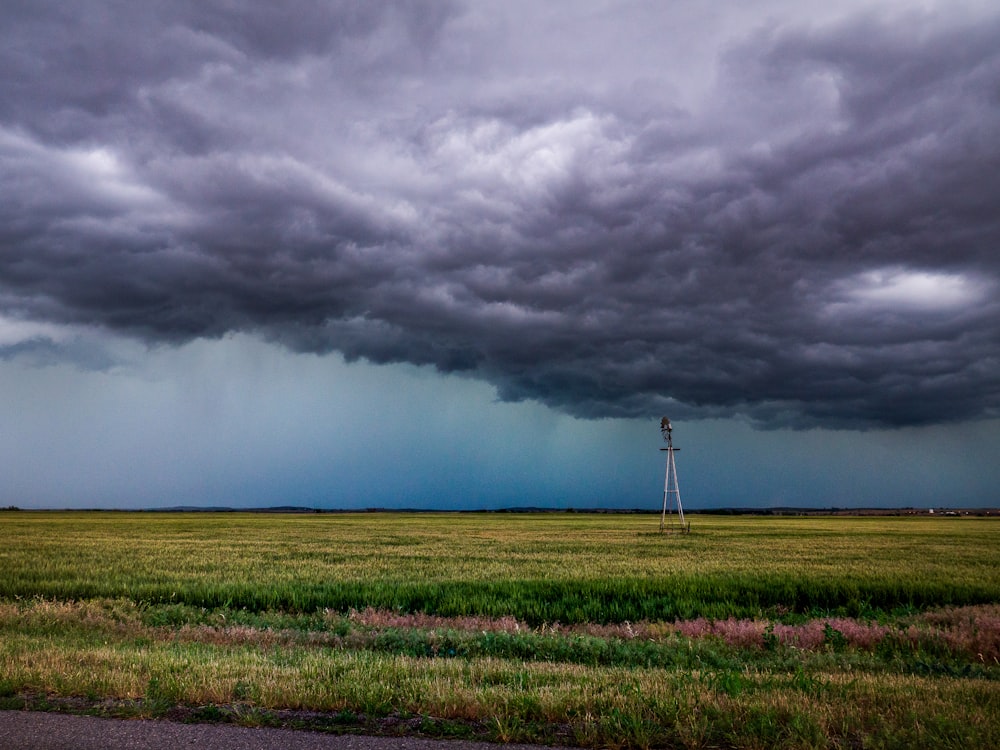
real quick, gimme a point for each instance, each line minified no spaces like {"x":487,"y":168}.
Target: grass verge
{"x":506,"y":682}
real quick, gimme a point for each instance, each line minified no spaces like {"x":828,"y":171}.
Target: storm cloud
{"x":616,"y":209}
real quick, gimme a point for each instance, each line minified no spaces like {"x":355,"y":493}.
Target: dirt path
{"x":32,"y":730}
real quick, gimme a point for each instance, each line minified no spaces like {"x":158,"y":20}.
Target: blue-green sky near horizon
{"x":241,"y":423}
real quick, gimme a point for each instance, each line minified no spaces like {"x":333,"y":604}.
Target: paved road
{"x":31,"y":730}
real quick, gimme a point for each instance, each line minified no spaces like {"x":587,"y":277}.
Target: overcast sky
{"x":466,"y":254}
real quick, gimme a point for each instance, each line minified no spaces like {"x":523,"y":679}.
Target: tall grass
{"x":540,"y":568}
{"x":561,"y":628}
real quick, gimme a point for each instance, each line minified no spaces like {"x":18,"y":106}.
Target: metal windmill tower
{"x":671,"y":490}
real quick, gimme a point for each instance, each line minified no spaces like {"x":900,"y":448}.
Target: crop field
{"x":562,"y":628}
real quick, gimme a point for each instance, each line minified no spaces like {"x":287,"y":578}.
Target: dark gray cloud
{"x":616,"y":209}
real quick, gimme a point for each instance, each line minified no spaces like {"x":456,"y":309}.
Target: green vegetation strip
{"x":540,"y":568}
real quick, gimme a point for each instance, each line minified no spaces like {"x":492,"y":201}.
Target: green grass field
{"x":590,"y":630}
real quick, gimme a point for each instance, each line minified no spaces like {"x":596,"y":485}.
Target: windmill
{"x":671,"y":490}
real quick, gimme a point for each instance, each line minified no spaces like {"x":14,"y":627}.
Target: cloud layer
{"x":615,"y":209}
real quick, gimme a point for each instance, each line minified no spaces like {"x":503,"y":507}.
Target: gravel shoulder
{"x":34,"y":730}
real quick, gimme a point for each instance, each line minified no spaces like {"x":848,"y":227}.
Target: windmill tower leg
{"x":676,"y":490}
{"x":663,"y":515}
